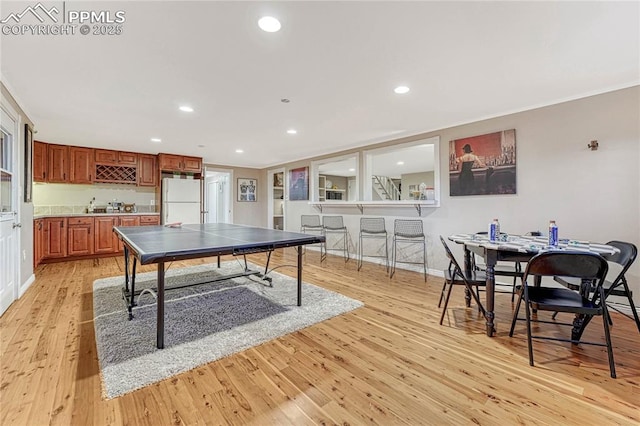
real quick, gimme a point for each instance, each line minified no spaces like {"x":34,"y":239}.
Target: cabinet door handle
{"x":61,"y":224}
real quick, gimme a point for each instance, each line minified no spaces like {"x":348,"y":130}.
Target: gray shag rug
{"x":202,"y":323}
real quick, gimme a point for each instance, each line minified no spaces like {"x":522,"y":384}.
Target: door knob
{"x":17,"y":225}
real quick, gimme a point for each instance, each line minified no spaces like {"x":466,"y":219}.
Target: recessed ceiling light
{"x":269,"y":24}
{"x":156,"y":140}
{"x":400,"y":163}
{"x":292,"y":131}
{"x":186,"y":108}
{"x":239,"y":151}
{"x":352,"y":170}
{"x":401,"y":90}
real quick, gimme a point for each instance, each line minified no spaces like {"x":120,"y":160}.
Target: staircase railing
{"x":385,"y":187}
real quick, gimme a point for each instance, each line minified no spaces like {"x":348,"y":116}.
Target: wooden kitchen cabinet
{"x":39,"y":161}
{"x":127,"y":158}
{"x":105,"y":241}
{"x":55,"y":237}
{"x":108,"y":156}
{"x":149,"y":220}
{"x":179,"y":163}
{"x":127,"y":221}
{"x":80,"y":236}
{"x":57,"y":163}
{"x":38,"y":241}
{"x":147,"y":170}
{"x":81,"y":166}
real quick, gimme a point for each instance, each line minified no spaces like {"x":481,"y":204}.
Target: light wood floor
{"x":386,"y":363}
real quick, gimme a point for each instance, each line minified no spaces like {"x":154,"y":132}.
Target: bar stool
{"x":310,"y":224}
{"x":372,"y":228}
{"x":409,"y":231}
{"x":335,"y":225}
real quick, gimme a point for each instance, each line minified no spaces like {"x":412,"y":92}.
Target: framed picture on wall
{"x":299,"y":184}
{"x":28,"y":163}
{"x":247,"y":189}
{"x":483,"y":165}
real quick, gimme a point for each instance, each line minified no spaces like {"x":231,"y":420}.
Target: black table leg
{"x":126,"y":268}
{"x":491,"y":260}
{"x":467,"y":270}
{"x":299,"y":275}
{"x":160,"y":320}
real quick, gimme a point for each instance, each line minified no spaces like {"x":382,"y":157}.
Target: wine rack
{"x":115,"y":174}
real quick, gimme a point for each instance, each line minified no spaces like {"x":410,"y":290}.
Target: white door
{"x":217,"y":196}
{"x":9,"y":244}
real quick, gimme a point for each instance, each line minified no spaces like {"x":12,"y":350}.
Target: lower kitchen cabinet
{"x":127,"y":221}
{"x":104,"y":238}
{"x":80,"y":237}
{"x":59,"y":238}
{"x":38,"y":241}
{"x":55,"y":237}
{"x":147,"y":220}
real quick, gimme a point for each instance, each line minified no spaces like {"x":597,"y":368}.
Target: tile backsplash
{"x":53,"y":198}
{"x":64,"y":210}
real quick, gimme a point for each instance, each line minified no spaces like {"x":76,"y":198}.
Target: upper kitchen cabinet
{"x":147,"y":170}
{"x":58,"y":163}
{"x":180,"y":163}
{"x":39,"y":161}
{"x":81,"y":166}
{"x":107,"y":156}
{"x":116,"y":166}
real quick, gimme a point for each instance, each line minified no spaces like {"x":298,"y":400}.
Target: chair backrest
{"x":626,"y":257}
{"x":310,"y":221}
{"x":588,"y":266}
{"x":332,"y":222}
{"x":372,"y":225}
{"x":452,"y":260}
{"x":408,"y":228}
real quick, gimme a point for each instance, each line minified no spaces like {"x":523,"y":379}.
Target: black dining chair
{"x":584,"y":266}
{"x":454,"y":275}
{"x":618,"y":286}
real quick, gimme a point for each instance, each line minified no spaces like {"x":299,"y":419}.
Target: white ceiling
{"x":337,"y":62}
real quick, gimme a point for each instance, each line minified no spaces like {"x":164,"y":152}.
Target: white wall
{"x":592,"y":195}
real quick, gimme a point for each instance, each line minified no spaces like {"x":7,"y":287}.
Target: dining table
{"x":519,"y":248}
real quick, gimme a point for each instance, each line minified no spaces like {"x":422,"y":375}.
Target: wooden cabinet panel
{"x":192,"y":164}
{"x":170,"y":162}
{"x":38,"y":241}
{"x":179,"y":163}
{"x":127,"y":221}
{"x":106,"y":156}
{"x":105,"y":241}
{"x":80,"y":165}
{"x":58,"y":163}
{"x":80,"y":236}
{"x":127,"y":158}
{"x":55,"y":237}
{"x":147,"y":170}
{"x":149,"y":220}
{"x":39,"y":161}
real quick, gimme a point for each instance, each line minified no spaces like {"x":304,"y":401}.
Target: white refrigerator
{"x":181,"y":201}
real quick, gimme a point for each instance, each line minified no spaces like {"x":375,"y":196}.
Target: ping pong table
{"x":160,"y":244}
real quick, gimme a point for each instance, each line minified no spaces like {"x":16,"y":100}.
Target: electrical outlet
{"x":152,"y":202}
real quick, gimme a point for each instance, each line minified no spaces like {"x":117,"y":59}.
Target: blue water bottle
{"x":553,"y":234}
{"x":494,"y":230}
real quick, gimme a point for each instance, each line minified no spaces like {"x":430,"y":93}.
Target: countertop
{"x":43,"y":216}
